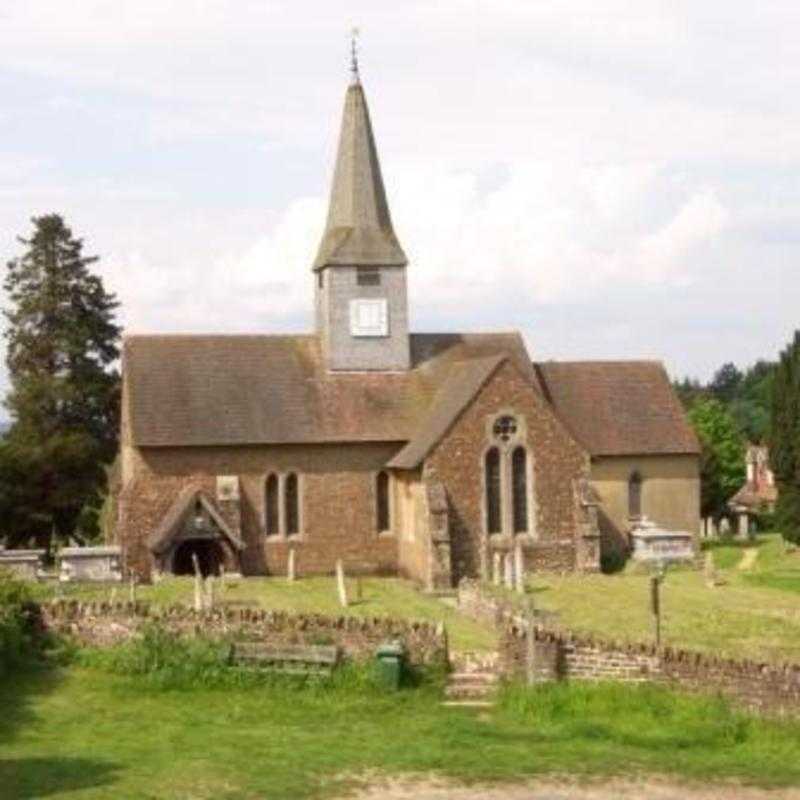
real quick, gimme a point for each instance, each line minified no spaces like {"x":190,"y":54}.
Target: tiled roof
{"x":183,"y":505}
{"x":754,"y":496}
{"x":618,"y":407}
{"x":237,"y":390}
{"x":465,"y":380}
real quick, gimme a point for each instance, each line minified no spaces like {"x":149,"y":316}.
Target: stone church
{"x":421,"y":454}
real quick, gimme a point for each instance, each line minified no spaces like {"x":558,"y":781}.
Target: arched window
{"x":519,"y":489}
{"x":291,"y":499}
{"x":635,"y":495}
{"x":271,"y":506}
{"x":494,"y":514}
{"x":383,"y":519}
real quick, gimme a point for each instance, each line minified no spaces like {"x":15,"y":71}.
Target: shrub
{"x":169,"y":661}
{"x":20,"y":630}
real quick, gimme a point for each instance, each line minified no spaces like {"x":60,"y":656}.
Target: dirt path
{"x":435,"y":789}
{"x":749,"y":556}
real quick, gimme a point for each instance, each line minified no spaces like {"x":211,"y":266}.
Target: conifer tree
{"x":785,"y":440}
{"x":62,"y":343}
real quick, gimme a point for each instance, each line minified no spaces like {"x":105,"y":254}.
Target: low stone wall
{"x":107,"y":624}
{"x":559,"y":655}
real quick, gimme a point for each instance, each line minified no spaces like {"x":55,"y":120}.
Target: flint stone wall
{"x":559,"y":655}
{"x":109,"y":624}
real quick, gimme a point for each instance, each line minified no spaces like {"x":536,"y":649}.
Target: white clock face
{"x":369,"y":317}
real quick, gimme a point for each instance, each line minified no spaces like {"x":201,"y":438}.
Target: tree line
{"x":759,"y":405}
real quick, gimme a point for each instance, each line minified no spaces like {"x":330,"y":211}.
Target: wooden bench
{"x":292,"y":659}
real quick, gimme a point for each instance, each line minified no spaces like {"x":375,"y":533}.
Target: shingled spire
{"x":360,"y":270}
{"x":359,"y":228}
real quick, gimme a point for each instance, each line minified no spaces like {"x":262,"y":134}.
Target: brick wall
{"x":559,"y":655}
{"x":337,"y":503}
{"x":557,"y":463}
{"x":108,"y":624}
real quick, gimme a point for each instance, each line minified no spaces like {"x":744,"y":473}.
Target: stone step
{"x":472,"y":677}
{"x":468,"y":691}
{"x":467,"y":703}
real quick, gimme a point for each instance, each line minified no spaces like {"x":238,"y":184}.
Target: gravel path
{"x":434,"y":789}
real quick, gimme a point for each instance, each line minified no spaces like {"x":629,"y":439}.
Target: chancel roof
{"x":618,"y":407}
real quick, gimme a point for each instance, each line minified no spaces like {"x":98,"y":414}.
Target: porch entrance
{"x":209,"y":556}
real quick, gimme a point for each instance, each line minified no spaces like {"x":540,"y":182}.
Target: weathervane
{"x":354,"y":76}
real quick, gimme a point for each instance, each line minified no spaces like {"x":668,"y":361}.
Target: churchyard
{"x":160,"y":717}
{"x":752,"y":611}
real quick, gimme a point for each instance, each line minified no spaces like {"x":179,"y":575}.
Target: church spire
{"x":359,"y":228}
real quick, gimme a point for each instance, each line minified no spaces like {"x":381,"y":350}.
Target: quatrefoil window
{"x":504,"y":428}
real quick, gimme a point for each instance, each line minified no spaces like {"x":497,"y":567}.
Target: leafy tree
{"x":61,"y":347}
{"x":746,"y":395}
{"x":722,"y":464}
{"x":784,"y":440}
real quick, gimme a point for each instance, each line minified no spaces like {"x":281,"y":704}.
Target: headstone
{"x":209,"y":593}
{"x":744,"y":526}
{"x":519,"y":569}
{"x":709,"y":571}
{"x":198,"y":584}
{"x":652,"y":544}
{"x":290,"y":567}
{"x":340,"y":584}
{"x":100,"y":564}
{"x":497,"y":569}
{"x":531,"y":644}
{"x":508,"y":575}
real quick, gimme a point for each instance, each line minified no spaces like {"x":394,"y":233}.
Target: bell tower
{"x":360,"y":269}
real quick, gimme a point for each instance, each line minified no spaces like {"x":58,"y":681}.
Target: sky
{"x":615,"y":179}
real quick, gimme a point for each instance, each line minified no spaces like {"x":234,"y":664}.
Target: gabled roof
{"x":618,"y":407}
{"x":465,"y":380}
{"x":172,"y":522}
{"x":239,"y":390}
{"x":754,"y":496}
{"x":359,"y":228}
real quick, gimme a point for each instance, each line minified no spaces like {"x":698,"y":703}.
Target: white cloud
{"x":548,"y":234}
{"x":635,"y":149}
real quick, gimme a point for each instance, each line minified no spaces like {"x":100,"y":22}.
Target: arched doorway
{"x":209,"y":556}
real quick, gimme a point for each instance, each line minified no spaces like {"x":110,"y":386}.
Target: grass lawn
{"x":391,"y":597}
{"x":85,"y":734}
{"x":754,"y":614}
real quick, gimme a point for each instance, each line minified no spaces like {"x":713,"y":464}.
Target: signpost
{"x":655,"y":599}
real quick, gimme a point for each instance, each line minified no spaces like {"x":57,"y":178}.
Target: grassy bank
{"x":370,"y":597}
{"x":753,"y":613}
{"x":96,"y":735}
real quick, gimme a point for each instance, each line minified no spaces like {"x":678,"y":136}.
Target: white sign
{"x":369,"y":317}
